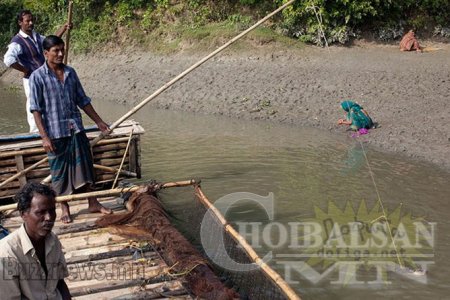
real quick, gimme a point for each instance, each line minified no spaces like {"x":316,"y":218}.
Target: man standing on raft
{"x":25,"y":54}
{"x":56,"y":95}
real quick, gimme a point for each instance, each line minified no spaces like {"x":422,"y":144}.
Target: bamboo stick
{"x":69,"y":17}
{"x":274,"y":276}
{"x":171,"y":290}
{"x":7,"y":162}
{"x":180,"y":183}
{"x":190,"y":69}
{"x":14,"y":184}
{"x":123,"y":159}
{"x":75,"y":228}
{"x":105,"y":177}
{"x":99,"y":249}
{"x":109,"y":154}
{"x":92,"y":241}
{"x":4,"y":176}
{"x":22,"y":152}
{"x":34,"y":158}
{"x":8,"y":170}
{"x":164,"y":87}
{"x":106,"y":193}
{"x":93,"y":288}
{"x":40,"y":150}
{"x":20,"y":166}
{"x":114,"y":170}
{"x":112,"y":141}
{"x":100,"y":255}
{"x":107,"y":148}
{"x":17,"y":175}
{"x":38,"y":173}
{"x":109,"y":161}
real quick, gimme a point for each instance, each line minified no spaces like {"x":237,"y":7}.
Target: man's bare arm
{"x":20,"y":68}
{"x":63,"y":29}
{"x":46,"y":141}
{"x":90,"y":111}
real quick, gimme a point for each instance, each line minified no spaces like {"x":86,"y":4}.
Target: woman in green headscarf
{"x":356,"y":117}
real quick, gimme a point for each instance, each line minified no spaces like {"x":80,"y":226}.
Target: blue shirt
{"x":57,"y":101}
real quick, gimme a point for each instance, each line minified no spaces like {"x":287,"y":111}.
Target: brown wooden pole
{"x":67,"y":44}
{"x":107,"y":193}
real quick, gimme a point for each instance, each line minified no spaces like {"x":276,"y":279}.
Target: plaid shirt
{"x":58,"y":101}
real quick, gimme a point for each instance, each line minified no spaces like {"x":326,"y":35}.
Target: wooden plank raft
{"x":127,"y":254}
{"x":18,"y":152}
{"x":105,"y":265}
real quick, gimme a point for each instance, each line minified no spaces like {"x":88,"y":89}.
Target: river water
{"x":313,"y":175}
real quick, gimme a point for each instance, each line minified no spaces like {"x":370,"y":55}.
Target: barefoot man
{"x":56,"y":95}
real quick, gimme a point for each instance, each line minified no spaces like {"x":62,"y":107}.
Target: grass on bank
{"x":173,"y":38}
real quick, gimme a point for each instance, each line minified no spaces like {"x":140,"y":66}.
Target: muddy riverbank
{"x":407,"y":94}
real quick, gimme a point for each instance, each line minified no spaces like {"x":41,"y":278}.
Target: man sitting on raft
{"x":356,"y":116}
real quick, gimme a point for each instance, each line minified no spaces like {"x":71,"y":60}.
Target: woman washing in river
{"x":356,"y":117}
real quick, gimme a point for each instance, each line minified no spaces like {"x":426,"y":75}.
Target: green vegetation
{"x":169,"y":25}
{"x":343,"y":19}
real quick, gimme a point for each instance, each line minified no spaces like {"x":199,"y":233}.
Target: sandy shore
{"x":408,"y":94}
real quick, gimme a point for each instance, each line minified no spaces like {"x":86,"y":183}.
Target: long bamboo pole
{"x":274,"y":276}
{"x":163,"y":88}
{"x":190,"y":69}
{"x":69,"y":17}
{"x":107,"y":193}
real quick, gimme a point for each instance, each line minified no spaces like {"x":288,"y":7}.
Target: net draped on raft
{"x":146,"y":212}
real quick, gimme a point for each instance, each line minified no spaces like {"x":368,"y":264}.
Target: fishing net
{"x":250,"y":282}
{"x":216,"y":249}
{"x":146,"y":217}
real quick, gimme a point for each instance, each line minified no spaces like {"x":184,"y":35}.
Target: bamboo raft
{"x":105,"y":264}
{"x":19,"y":152}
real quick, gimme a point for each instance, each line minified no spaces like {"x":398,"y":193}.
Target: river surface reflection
{"x":307,"y":170}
